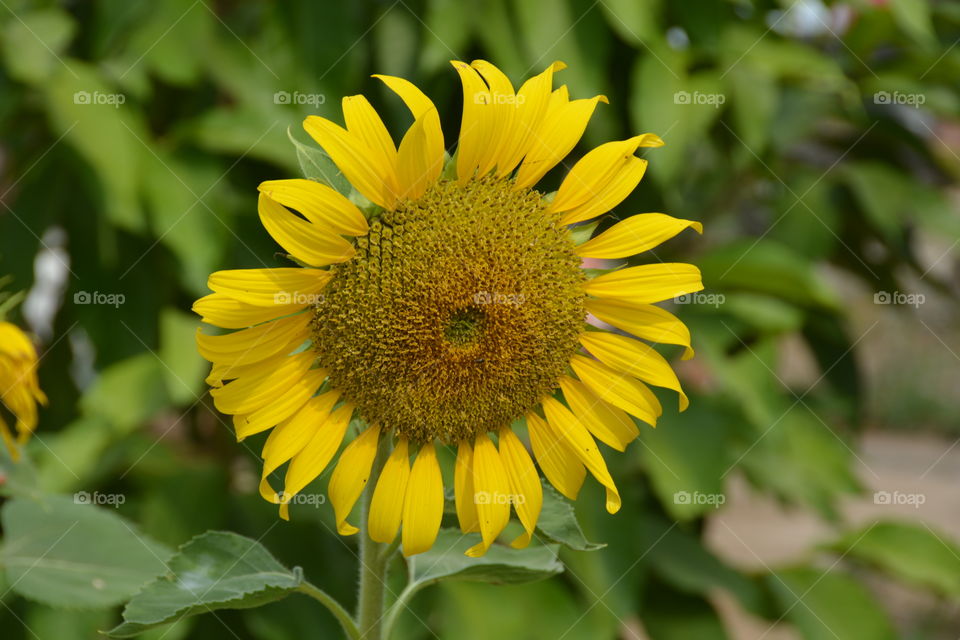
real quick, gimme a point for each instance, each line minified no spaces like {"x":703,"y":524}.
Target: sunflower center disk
{"x":458,"y":314}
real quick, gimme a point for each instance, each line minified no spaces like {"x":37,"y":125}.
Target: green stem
{"x":349,"y":626}
{"x":402,"y":602}
{"x":373,"y":564}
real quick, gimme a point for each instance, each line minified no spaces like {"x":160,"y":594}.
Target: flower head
{"x":452,"y":310}
{"x":19,"y":389}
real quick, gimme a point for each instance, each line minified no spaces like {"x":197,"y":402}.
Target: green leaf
{"x":558,"y":522}
{"x":69,"y":554}
{"x":184,"y":369}
{"x":766,"y":267}
{"x":828,"y":606}
{"x":33,"y":42}
{"x":129,"y":392}
{"x":910,"y":553}
{"x":17,"y":478}
{"x":501,"y":565}
{"x":682,"y":560}
{"x":317,"y":165}
{"x":913,"y":17}
{"x":685,"y":458}
{"x":215,"y":570}
{"x":106,"y":130}
{"x":445,"y":34}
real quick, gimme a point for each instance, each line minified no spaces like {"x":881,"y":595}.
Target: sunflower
{"x":19,"y":389}
{"x":445,"y":302}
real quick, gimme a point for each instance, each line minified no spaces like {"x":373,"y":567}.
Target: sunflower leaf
{"x":317,"y":165}
{"x":501,"y":564}
{"x":215,"y":570}
{"x":66,"y":552}
{"x":558,"y":522}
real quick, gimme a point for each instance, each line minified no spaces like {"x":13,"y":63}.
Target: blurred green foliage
{"x":818,"y":144}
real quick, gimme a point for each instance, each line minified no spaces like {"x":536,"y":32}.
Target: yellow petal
{"x":350,"y":477}
{"x":223,"y":311}
{"x":270,"y":287}
{"x":256,"y":343}
{"x":314,"y":458}
{"x":612,"y":194}
{"x":647,"y":283}
{"x":386,"y":507}
{"x":525,"y":487}
{"x":533,"y":98}
{"x":474,"y":124}
{"x":635,"y":235}
{"x":361,"y":165}
{"x":284,"y":406}
{"x":618,"y":389}
{"x":248,"y":393}
{"x":610,"y":425}
{"x":491,"y":494}
{"x":559,"y":464}
{"x":558,"y":133}
{"x":644,"y":321}
{"x":419,"y":105}
{"x":418,"y":165}
{"x":500,"y":113}
{"x":292,"y":435}
{"x":322,"y":205}
{"x":596,"y":169}
{"x":423,"y":504}
{"x":309,"y":243}
{"x":634,"y":358}
{"x":221,"y":371}
{"x":364,"y":122}
{"x":581,"y":443}
{"x":463,"y":490}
